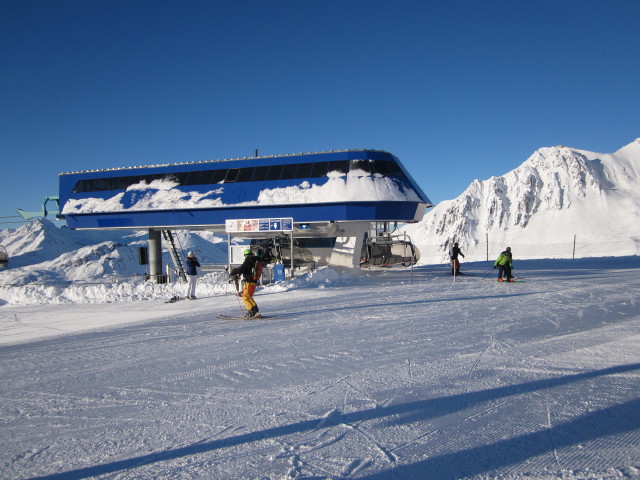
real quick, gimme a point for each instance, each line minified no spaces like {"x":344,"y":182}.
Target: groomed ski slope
{"x":369,"y":378}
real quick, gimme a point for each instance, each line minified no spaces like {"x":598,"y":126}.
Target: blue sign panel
{"x":275,"y":224}
{"x":259,"y":225}
{"x":264,"y":224}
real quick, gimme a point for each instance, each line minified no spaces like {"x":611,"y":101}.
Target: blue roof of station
{"x":344,"y":185}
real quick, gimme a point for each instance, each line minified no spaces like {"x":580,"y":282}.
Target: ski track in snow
{"x":377,"y":379}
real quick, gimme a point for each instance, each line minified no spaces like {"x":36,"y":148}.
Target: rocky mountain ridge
{"x":557,"y":196}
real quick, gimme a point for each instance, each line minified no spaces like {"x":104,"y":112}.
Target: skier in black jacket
{"x":251,"y":270}
{"x":455,"y":263}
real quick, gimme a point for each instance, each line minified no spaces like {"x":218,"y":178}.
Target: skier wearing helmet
{"x":251,"y":270}
{"x":504,"y":263}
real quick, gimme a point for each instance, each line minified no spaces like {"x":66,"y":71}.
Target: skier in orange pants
{"x":251,"y":270}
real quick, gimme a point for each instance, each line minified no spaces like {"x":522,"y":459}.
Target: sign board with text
{"x":256,"y":225}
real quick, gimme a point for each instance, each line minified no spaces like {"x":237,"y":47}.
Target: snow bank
{"x":322,"y":278}
{"x":112,"y":290}
{"x":109,"y":291}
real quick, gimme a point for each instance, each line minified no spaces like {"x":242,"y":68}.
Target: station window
{"x":319,"y":169}
{"x":337,"y":166}
{"x":359,"y":165}
{"x":274,"y":172}
{"x":394,"y":170}
{"x":260,"y":174}
{"x":289,"y":171}
{"x":232,"y":174}
{"x":211,"y":177}
{"x":304,"y":170}
{"x":193,"y":179}
{"x":245,"y":174}
{"x":102,"y":184}
{"x":182,"y":177}
{"x":105,"y":184}
{"x":379,"y":167}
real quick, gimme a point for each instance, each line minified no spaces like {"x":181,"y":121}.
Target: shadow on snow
{"x":608,"y":421}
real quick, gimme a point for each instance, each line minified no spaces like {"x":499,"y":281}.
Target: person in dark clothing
{"x":455,"y":263}
{"x":250,"y":270}
{"x":192,"y":274}
{"x":504,"y":264}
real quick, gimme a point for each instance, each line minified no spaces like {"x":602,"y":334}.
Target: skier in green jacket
{"x":504,"y":264}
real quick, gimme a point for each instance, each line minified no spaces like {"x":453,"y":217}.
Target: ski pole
{"x":240,"y":304}
{"x":488,"y":272}
{"x":237,"y":295}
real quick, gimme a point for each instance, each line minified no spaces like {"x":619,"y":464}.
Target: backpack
{"x":256,"y":272}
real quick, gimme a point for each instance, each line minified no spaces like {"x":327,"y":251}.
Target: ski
{"x":238,"y":317}
{"x":176,"y":298}
{"x":512,"y":281}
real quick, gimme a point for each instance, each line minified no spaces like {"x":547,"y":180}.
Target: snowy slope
{"x":386,"y":376}
{"x":556,"y":195}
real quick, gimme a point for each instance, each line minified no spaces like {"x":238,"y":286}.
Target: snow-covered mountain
{"x":559,"y":197}
{"x":40,"y":241}
{"x":40,"y":251}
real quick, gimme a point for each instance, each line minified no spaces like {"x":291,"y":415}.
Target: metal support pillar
{"x":155,"y":254}
{"x":292,"y":255}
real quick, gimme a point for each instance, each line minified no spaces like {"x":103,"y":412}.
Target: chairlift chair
{"x":389,"y":250}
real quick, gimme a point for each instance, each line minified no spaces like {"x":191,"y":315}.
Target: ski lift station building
{"x":336,"y":194}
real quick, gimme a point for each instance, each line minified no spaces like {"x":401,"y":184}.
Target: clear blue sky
{"x":458,"y":90}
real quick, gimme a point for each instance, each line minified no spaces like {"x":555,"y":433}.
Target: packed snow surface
{"x":392,"y":374}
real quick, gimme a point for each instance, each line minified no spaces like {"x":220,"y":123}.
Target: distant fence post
{"x":487,"y":246}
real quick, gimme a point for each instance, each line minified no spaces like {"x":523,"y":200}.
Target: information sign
{"x":259,"y":225}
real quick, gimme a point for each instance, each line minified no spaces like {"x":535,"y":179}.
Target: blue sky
{"x":458,"y":90}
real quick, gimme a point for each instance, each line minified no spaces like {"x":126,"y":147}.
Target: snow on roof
{"x":163,"y":194}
